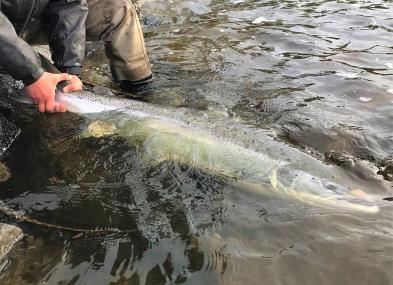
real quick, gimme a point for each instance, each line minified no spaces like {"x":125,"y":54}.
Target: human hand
{"x":43,"y":91}
{"x":75,"y":84}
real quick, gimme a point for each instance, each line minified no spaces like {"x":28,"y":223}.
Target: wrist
{"x":30,"y":79}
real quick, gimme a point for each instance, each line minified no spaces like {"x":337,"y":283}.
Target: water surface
{"x":316,"y":75}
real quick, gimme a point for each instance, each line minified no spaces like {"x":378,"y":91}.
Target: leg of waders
{"x":117,"y":24}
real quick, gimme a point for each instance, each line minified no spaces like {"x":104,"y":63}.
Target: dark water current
{"x":317,"y":75}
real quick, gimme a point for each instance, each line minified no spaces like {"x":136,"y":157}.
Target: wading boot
{"x":139,"y":87}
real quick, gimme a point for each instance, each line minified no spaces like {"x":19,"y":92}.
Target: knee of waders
{"x":120,"y":10}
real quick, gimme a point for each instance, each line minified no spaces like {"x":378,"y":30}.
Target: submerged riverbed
{"x":317,"y":75}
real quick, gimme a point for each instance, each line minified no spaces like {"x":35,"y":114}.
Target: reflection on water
{"x":316,"y":74}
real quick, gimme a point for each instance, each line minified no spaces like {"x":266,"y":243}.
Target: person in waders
{"x":66,"y":25}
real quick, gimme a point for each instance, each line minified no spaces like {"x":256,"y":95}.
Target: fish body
{"x":164,"y":136}
{"x":218,"y":146}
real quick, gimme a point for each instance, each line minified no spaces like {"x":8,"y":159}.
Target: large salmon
{"x":250,"y":158}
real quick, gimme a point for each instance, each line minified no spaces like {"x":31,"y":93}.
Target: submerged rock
{"x":349,"y":75}
{"x":365,"y":99}
{"x":9,"y":235}
{"x":358,"y":192}
{"x":5,"y":173}
{"x":386,"y":169}
{"x":261,"y":20}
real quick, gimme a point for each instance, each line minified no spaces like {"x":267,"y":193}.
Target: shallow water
{"x":315,"y":74}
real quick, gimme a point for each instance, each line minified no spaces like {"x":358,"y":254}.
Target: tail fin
{"x":49,"y":67}
{"x":47,"y":64}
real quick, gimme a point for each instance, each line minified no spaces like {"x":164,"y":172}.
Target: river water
{"x":317,"y":75}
